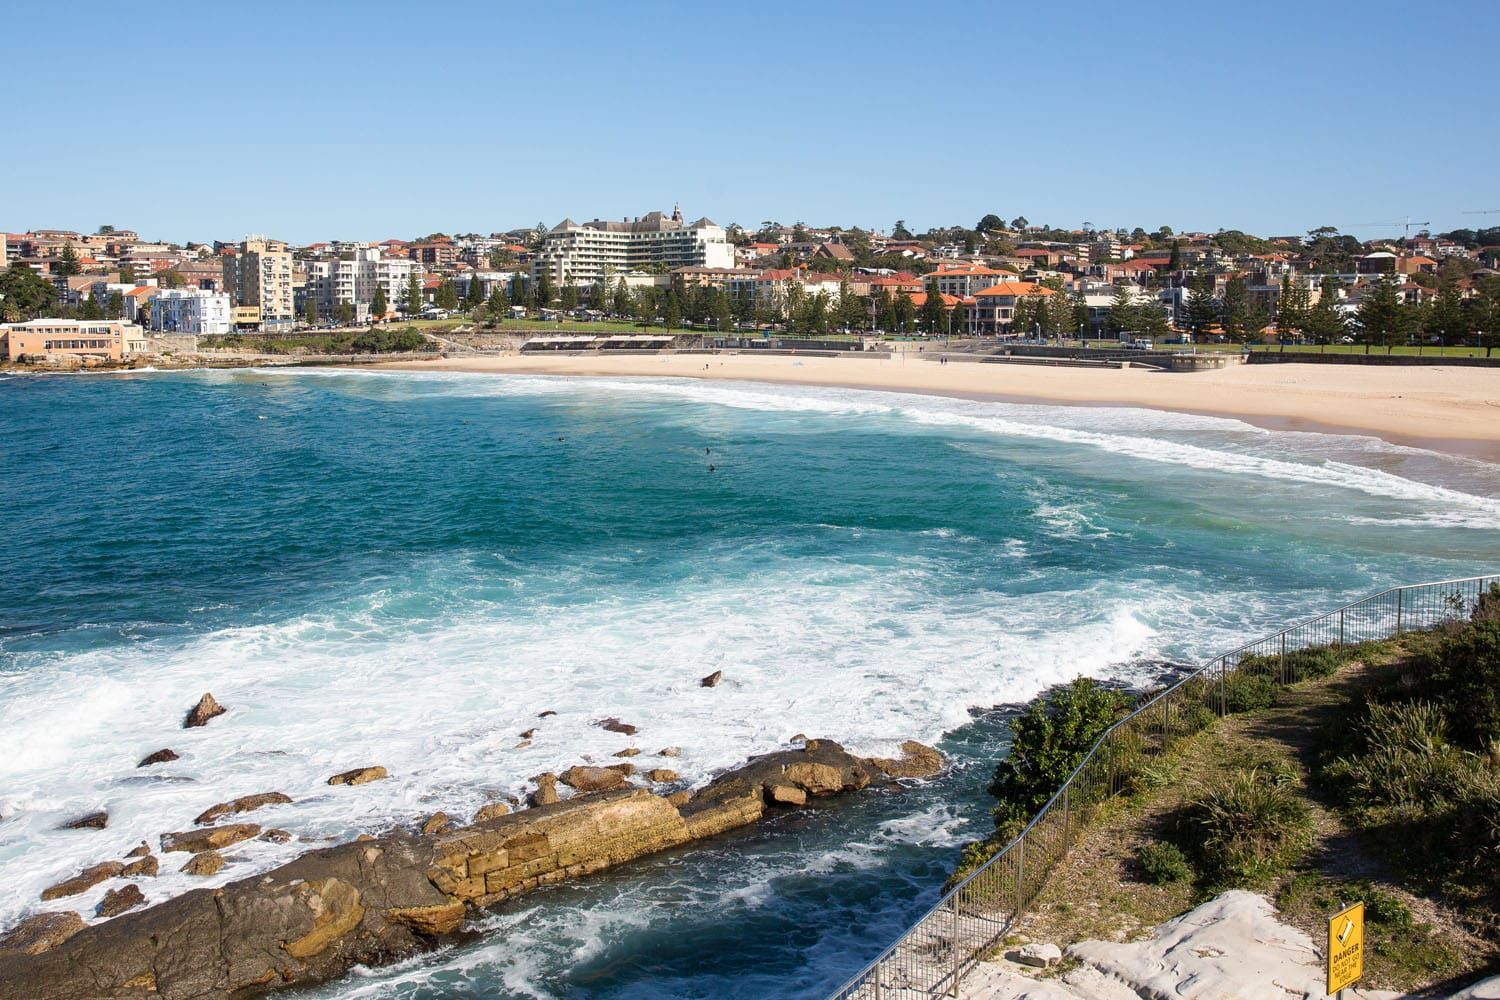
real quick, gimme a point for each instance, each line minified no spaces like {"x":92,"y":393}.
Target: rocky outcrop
{"x":146,"y":865}
{"x":712,"y":680}
{"x":359,"y":776}
{"x":546,"y":790}
{"x":207,"y":708}
{"x":616,"y":726}
{"x":83,"y":881}
{"x":916,"y":761}
{"x":163,"y":755}
{"x":203,"y":864}
{"x":245,"y":803}
{"x":212,"y":838}
{"x":436,"y":823}
{"x":592,"y":779}
{"x":377,"y":900}
{"x":117,"y":901}
{"x":88,"y":821}
{"x":41,"y":932}
{"x":661,"y":775}
{"x":492,"y":810}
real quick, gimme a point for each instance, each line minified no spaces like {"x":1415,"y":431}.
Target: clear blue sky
{"x":377,"y":120}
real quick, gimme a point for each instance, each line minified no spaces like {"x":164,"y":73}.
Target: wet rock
{"x":117,"y":901}
{"x":799,"y":738}
{"x":83,"y":881}
{"x":207,"y":708}
{"x":522,"y":745}
{"x":139,"y":852}
{"x":245,"y":803}
{"x":436,"y":823}
{"x":916,"y":761}
{"x":430,"y":921}
{"x":204,"y":864}
{"x":543,"y":715}
{"x":161,"y":756}
{"x":625,"y":769}
{"x":88,"y":821}
{"x":359,"y":776}
{"x":529,"y":733}
{"x":712,"y":680}
{"x":680,"y":799}
{"x":661,"y":775}
{"x":41,"y":932}
{"x":213,"y":838}
{"x":546,"y":790}
{"x":669,"y":752}
{"x":616,"y":726}
{"x":592,"y":779}
{"x":629,"y":752}
{"x":493,"y":810}
{"x":147,"y":865}
{"x":274,"y":836}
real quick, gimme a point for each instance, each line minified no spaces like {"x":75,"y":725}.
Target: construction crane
{"x":1405,"y":223}
{"x":1488,"y":211}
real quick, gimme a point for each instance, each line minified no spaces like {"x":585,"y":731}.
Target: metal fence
{"x":930,"y":959}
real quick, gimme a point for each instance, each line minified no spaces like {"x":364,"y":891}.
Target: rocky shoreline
{"x":377,"y":900}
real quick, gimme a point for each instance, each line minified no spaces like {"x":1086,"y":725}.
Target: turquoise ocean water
{"x":407,"y":569}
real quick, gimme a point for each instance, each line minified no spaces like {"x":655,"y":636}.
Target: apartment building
{"x":190,"y":310}
{"x":964,"y":281}
{"x":582,"y":254}
{"x":71,"y":337}
{"x":994,"y":307}
{"x":351,"y":279}
{"x":258,"y":274}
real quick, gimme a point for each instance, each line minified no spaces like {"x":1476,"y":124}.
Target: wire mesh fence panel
{"x":930,"y":959}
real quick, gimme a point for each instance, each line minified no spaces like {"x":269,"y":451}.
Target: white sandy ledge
{"x":1230,"y":948}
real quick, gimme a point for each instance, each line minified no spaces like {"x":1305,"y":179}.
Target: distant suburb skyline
{"x":380,"y":120}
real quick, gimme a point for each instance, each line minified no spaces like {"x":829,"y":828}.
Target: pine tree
{"x":1381,"y":315}
{"x":1080,"y":317}
{"x":379,"y":305}
{"x":1325,"y":323}
{"x":622,"y":305}
{"x":310,"y":311}
{"x":1124,"y":317}
{"x":413,"y":296}
{"x":497,"y":305}
{"x":1153,"y":319}
{"x":1235,"y":313}
{"x":473,"y":292}
{"x":447,"y":294}
{"x":1201,"y":311}
{"x":672,"y":311}
{"x":903,"y":312}
{"x":67,"y":265}
{"x":1023,"y":316}
{"x":545,"y":293}
{"x":1291,"y":308}
{"x":91,"y":307}
{"x":114,"y":307}
{"x":934,"y":314}
{"x":719,"y":311}
{"x":570,"y":296}
{"x":1445,"y":318}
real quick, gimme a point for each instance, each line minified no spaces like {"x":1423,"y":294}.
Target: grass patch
{"x":1163,"y":864}
{"x":1246,"y":828}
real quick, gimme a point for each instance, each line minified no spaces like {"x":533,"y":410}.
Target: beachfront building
{"x":582,"y":254}
{"x":190,"y":310}
{"x":258,"y":278}
{"x":964,"y":280}
{"x":993,"y":308}
{"x":51,"y":338}
{"x":351,"y":278}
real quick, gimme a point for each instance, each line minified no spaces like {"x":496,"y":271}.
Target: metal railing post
{"x":1282,"y":666}
{"x":1020,"y":874}
{"x":1341,"y":630}
{"x":1398,"y":611}
{"x":955,"y":944}
{"x":1067,"y":817}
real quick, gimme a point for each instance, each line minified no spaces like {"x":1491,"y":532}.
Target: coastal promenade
{"x":1450,"y":409}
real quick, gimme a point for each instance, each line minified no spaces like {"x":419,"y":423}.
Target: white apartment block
{"x":190,"y":310}
{"x":582,"y":254}
{"x":351,"y":279}
{"x":259,"y":274}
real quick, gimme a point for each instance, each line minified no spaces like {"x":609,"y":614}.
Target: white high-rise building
{"x":352,"y":277}
{"x":190,"y":310}
{"x":582,"y":254}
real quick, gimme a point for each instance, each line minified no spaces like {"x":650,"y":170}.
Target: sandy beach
{"x":1446,"y":408}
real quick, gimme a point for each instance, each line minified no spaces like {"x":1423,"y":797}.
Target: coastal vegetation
{"x":1370,"y":773}
{"x":376,"y":340}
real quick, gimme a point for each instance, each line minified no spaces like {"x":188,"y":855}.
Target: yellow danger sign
{"x":1346,"y":947}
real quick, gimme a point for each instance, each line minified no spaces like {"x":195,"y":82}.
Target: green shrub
{"x":1487,"y":605}
{"x":1048,"y":743}
{"x":1247,"y":827}
{"x":1163,"y":864}
{"x":1248,"y":692}
{"x":1465,"y":676}
{"x":1387,"y":910}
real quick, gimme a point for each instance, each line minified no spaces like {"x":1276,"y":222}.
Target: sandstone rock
{"x":204,"y":863}
{"x":274,"y":836}
{"x":799,"y":738}
{"x":117,"y":901}
{"x":680,"y":799}
{"x":161,"y":756}
{"x":529,"y":733}
{"x":493,"y":810}
{"x":88,"y":821}
{"x":628,"y":752}
{"x":543,"y":715}
{"x":669,"y":752}
{"x":712,"y":680}
{"x":661,"y":775}
{"x":430,"y":921}
{"x":207,"y":708}
{"x":522,"y":745}
{"x":336,"y":910}
{"x":245,"y":803}
{"x":139,"y":852}
{"x":592,"y":779}
{"x":819,"y":779}
{"x":1038,"y":955}
{"x":212,"y":838}
{"x":785,"y":795}
{"x":147,"y":865}
{"x":916,"y":761}
{"x":625,"y":769}
{"x":84,"y":880}
{"x":616,"y":726}
{"x":436,"y":823}
{"x":41,"y":932}
{"x":359,"y":776}
{"x":546,"y":790}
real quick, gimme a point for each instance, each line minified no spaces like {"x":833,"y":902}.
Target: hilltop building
{"x":582,"y":254}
